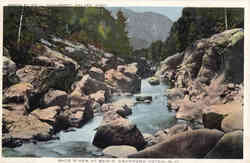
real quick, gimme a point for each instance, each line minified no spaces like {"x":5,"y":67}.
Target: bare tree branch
{"x":20,"y":27}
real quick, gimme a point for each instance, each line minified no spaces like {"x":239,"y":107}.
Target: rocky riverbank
{"x":63,"y":86}
{"x":208,"y":95}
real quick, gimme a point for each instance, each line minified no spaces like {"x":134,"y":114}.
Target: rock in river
{"x":154,"y":81}
{"x":116,"y":130}
{"x":142,"y":98}
{"x":123,"y":110}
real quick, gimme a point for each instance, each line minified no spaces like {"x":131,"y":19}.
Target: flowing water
{"x":149,"y":118}
{"x":154,"y":116}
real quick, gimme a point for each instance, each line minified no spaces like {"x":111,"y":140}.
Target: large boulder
{"x":124,"y":79}
{"x":175,"y":93}
{"x":190,"y":111}
{"x":25,"y":127}
{"x":75,"y":117}
{"x":45,"y":56}
{"x":176,"y":129}
{"x":233,"y":121}
{"x":108,"y":107}
{"x":233,"y":53}
{"x":207,"y":102}
{"x":121,"y":109}
{"x":175,"y":97}
{"x":163,"y":135}
{"x":208,"y":57}
{"x":130,"y":69}
{"x":227,"y":117}
{"x":21,"y":108}
{"x":120,"y":151}
{"x":87,"y":85}
{"x":45,"y":78}
{"x":17,"y":93}
{"x":212,"y":120}
{"x":55,"y":98}
{"x":115,"y":130}
{"x":169,"y":66}
{"x":99,"y":97}
{"x":96,"y":73}
{"x":124,"y":111}
{"x":77,"y":113}
{"x":144,"y":66}
{"x":109,"y":61}
{"x":78,"y":101}
{"x":106,"y":63}
{"x":9,"y":70}
{"x":85,"y":56}
{"x":30,"y":74}
{"x":189,"y":144}
{"x":160,"y":136}
{"x":48,"y":115}
{"x":230,"y":146}
{"x":48,"y":67}
{"x":8,"y":118}
{"x":17,"y":97}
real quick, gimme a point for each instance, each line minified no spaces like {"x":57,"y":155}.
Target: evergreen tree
{"x":121,"y":19}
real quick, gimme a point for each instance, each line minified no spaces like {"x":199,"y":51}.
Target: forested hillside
{"x":86,"y":25}
{"x":194,"y":24}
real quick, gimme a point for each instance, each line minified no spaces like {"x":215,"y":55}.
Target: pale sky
{"x":172,"y":12}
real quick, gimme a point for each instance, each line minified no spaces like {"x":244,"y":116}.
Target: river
{"x":149,"y":118}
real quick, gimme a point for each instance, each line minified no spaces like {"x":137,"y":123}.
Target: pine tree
{"x":121,"y":18}
{"x":123,"y":42}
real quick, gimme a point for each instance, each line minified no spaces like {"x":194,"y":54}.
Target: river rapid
{"x":149,"y":118}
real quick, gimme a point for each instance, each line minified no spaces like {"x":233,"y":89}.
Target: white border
{"x":144,"y":3}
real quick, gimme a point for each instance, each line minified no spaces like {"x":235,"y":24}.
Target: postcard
{"x":125,"y":81}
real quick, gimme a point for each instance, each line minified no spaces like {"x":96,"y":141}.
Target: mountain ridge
{"x":144,"y":28}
